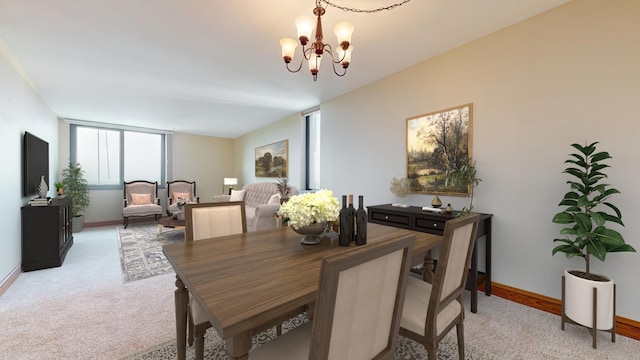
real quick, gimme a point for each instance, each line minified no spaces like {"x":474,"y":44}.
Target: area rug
{"x":215,"y":349}
{"x":141,"y":250}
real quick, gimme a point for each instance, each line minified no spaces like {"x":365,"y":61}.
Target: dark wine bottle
{"x":361,"y":222}
{"x":344,"y":238}
{"x":351,"y":218}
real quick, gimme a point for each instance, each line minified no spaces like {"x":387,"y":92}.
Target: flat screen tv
{"x":35,"y":163}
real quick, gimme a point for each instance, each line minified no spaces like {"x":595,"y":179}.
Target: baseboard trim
{"x":7,"y":281}
{"x":116,"y":222}
{"x":625,"y":327}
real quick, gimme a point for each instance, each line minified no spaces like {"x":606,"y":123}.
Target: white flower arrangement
{"x":310,"y":208}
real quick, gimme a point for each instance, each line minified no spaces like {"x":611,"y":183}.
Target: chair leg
{"x":190,"y":327}
{"x":200,"y":330}
{"x":278,"y":329}
{"x":125,"y":222}
{"x":460,"y":331}
{"x":432,"y":350}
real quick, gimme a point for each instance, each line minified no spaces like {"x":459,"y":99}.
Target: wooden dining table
{"x":252,"y":281}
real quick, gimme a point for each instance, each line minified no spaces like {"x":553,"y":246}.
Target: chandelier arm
{"x":366,"y":11}
{"x":299,"y":66}
{"x":333,"y":65}
{"x":329,"y":50}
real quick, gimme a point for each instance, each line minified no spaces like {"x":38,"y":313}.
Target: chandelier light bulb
{"x":314,"y":63}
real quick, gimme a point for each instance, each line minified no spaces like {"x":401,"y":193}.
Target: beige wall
{"x":568,"y":75}
{"x":21,"y":109}
{"x":203,"y":159}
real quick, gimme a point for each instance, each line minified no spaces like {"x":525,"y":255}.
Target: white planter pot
{"x":579,"y":300}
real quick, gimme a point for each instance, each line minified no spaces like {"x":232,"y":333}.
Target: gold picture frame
{"x":436,"y":142}
{"x":272,"y":160}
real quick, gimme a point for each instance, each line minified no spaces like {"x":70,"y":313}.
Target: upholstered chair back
{"x":140,"y":187}
{"x":208,"y":220}
{"x":179,"y":187}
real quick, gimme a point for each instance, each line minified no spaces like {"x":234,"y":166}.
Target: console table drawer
{"x":430,"y":226}
{"x":390,"y":218}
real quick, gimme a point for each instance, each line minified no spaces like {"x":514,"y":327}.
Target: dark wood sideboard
{"x":46,"y":234}
{"x":414,"y":218}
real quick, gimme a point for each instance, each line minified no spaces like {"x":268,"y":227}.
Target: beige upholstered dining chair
{"x":351,"y":322}
{"x":177,"y":189}
{"x":140,"y":200}
{"x":204,"y":221}
{"x":431,"y":310}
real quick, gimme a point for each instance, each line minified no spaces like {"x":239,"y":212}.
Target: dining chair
{"x":357,"y":315}
{"x":431,"y":310}
{"x":204,"y":221}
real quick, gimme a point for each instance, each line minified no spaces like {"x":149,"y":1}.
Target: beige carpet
{"x":83,"y":310}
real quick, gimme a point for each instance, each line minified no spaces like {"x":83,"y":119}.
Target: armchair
{"x":180,"y":188}
{"x":262,"y":201}
{"x":140,"y":200}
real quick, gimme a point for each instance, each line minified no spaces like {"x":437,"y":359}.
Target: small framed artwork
{"x":271,"y":160}
{"x":437,"y":142}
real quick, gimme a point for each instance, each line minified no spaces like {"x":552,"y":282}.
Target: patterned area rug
{"x":141,"y":250}
{"x":214,"y":347}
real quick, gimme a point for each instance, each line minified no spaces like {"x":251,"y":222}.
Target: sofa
{"x":261,"y":200}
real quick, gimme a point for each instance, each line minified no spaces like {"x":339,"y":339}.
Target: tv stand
{"x":46,"y":234}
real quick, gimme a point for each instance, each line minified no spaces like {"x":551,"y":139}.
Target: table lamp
{"x":230,"y":182}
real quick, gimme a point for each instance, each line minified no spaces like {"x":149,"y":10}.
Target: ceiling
{"x":213,"y":67}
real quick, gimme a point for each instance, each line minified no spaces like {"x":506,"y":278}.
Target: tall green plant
{"x":588,"y":210}
{"x":76,"y":187}
{"x":464,"y":177}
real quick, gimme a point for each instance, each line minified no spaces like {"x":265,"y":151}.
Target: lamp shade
{"x":288,"y":47}
{"x":304,"y":25}
{"x":230,"y":181}
{"x":314,"y":62}
{"x":343,"y":31}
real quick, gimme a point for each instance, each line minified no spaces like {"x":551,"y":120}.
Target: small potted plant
{"x":59,"y":188}
{"x":587,"y":216}
{"x":464,"y":178}
{"x":77,"y":188}
{"x":283,"y":189}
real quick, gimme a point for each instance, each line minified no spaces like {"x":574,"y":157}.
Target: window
{"x":312,"y":126}
{"x":111,"y":156}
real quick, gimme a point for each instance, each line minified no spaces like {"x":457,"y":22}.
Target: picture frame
{"x":436,"y":142}
{"x":272,"y":160}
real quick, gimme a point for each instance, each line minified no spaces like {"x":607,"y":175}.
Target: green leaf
{"x":569,"y":250}
{"x":614,"y":208}
{"x":583,"y":221}
{"x":568,"y":231}
{"x":568,"y":202}
{"x":563,"y":218}
{"x":597,"y":218}
{"x":597,"y":249}
{"x":575,"y":172}
{"x":609,"y":236}
{"x":621,"y":248}
{"x":611,"y":218}
{"x":584,"y":201}
{"x":571,"y":195}
{"x":600,"y":156}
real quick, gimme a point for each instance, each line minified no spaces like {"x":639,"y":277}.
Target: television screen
{"x":36,"y":163}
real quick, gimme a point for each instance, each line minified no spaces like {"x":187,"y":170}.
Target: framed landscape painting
{"x":437,"y":142}
{"x":271,"y":160}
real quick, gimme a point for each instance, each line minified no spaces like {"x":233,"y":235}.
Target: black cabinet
{"x":414,"y":218}
{"x":46,"y":234}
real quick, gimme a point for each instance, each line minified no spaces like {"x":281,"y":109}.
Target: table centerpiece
{"x":311,"y":214}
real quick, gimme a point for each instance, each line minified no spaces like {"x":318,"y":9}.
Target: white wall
{"x":21,"y":109}
{"x":568,"y":75}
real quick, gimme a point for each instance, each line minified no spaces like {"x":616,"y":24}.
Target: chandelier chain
{"x":343,"y":8}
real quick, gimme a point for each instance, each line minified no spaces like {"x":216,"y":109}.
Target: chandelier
{"x":314,"y":53}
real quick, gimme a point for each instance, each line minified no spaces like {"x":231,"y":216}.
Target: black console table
{"x":414,"y":218}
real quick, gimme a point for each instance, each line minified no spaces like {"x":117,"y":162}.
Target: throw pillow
{"x":140,"y":199}
{"x":274,"y":199}
{"x":237,"y":195}
{"x":177,"y":195}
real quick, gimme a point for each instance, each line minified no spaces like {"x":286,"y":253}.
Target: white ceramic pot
{"x":578,"y":296}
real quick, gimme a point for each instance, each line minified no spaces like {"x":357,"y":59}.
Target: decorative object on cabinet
{"x":588,"y":299}
{"x":414,"y":218}
{"x":464,"y":177}
{"x":400,"y":187}
{"x":59,"y":188}
{"x":436,"y":202}
{"x":283,"y":188}
{"x":436,"y":142}
{"x":46,"y":234}
{"x":77,"y":188}
{"x":271,"y":160}
{"x":43,"y":188}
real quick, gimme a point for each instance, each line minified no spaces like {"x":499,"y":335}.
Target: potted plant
{"x":59,"y":188}
{"x":463,"y":177}
{"x":587,"y":216}
{"x":77,"y":188}
{"x":311,"y":214}
{"x":283,"y":189}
